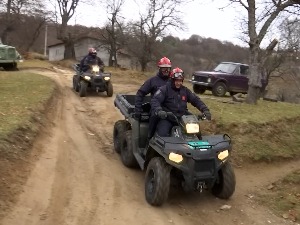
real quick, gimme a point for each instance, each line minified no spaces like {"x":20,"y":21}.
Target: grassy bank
{"x":21,"y":94}
{"x":268,"y":131}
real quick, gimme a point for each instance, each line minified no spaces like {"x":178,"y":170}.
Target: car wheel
{"x":225,"y":184}
{"x":157,"y":182}
{"x":219,"y":89}
{"x":120,"y":127}
{"x":127,"y":156}
{"x":197,"y":89}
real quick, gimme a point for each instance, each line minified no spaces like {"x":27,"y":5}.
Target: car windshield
{"x":225,"y":68}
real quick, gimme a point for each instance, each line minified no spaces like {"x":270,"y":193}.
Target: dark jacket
{"x":174,"y":100}
{"x":149,"y":87}
{"x":90,"y":60}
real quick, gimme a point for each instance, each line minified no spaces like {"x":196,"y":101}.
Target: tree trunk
{"x":253,"y":95}
{"x":69,"y":50}
{"x":143,"y":66}
{"x":4,"y":36}
{"x":254,"y":83}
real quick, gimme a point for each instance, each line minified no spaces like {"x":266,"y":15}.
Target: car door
{"x":239,"y":80}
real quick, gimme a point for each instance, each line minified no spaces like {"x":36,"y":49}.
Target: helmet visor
{"x":178,"y":76}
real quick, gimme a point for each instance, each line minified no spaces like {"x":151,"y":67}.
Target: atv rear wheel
{"x":83,"y":88}
{"x":157,"y":183}
{"x":225,"y":185}
{"x":127,"y":156}
{"x":120,"y":127}
{"x":110,"y":90}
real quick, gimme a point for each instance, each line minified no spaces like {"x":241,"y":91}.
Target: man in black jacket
{"x":150,"y":87}
{"x":173,"y":97}
{"x":91,"y":59}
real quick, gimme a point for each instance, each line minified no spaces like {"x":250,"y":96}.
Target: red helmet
{"x":177,"y":73}
{"x":164,"y":62}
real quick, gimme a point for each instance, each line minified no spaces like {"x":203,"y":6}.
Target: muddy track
{"x":79,"y":179}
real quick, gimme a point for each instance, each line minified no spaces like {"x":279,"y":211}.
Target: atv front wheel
{"x":83,"y":88}
{"x":127,"y":156}
{"x":225,"y":185}
{"x":120,"y":127}
{"x":110,"y":90}
{"x":157,"y":183}
{"x":75,"y":83}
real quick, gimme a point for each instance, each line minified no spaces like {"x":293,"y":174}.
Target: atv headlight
{"x":175,"y":157}
{"x":106,"y":78}
{"x":87,"y":77}
{"x":95,"y":68}
{"x":223,"y":155}
{"x":192,"y":128}
{"x":193,"y":77}
{"x":208,"y":80}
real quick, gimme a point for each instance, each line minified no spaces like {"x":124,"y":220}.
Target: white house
{"x":81,"y":46}
{"x":56,"y":52}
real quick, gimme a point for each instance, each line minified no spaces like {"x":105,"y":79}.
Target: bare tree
{"x":66,"y":10}
{"x":260,"y":16}
{"x":290,"y":38}
{"x":113,"y":37}
{"x":160,"y":15}
{"x":8,"y":21}
{"x":15,"y":13}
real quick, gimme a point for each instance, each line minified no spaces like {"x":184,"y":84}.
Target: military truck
{"x":9,"y":57}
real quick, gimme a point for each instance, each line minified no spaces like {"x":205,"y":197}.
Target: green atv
{"x":194,"y":161}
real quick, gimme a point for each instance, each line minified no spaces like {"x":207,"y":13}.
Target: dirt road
{"x":80,"y":180}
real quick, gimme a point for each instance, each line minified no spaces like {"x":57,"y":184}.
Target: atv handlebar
{"x":199,"y":117}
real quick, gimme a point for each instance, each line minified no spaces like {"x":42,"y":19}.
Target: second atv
{"x":93,"y":80}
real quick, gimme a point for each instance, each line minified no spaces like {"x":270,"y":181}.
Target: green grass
{"x":284,"y":197}
{"x":21,"y":94}
{"x":267,"y":131}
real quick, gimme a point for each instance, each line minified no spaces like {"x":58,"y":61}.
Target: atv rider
{"x":173,"y":97}
{"x":151,"y":85}
{"x":91,"y":59}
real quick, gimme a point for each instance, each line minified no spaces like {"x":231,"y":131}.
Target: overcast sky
{"x":202,"y":17}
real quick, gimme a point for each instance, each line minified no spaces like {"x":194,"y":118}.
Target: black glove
{"x":137,"y":113}
{"x":162,"y":114}
{"x":137,"y":116}
{"x":207,"y":114}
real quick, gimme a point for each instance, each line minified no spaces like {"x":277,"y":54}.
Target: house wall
{"x":128,"y":62}
{"x":56,"y":53}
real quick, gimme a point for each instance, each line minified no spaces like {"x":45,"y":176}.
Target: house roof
{"x":56,"y":44}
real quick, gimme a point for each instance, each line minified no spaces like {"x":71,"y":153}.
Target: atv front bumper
{"x":199,"y":166}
